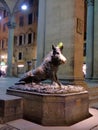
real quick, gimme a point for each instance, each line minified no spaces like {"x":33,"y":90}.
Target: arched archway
{"x":10,"y":7}
{"x":4,"y":6}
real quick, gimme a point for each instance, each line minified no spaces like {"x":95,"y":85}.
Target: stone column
{"x":95,"y":58}
{"x":90,"y":38}
{"x":11,"y":26}
{"x":57,"y":23}
{"x":41,"y":31}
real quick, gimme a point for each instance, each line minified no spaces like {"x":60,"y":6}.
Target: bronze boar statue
{"x":48,"y":69}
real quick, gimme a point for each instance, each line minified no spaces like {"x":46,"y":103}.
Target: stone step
{"x":93,"y":98}
{"x":92,"y":89}
{"x":11,"y":108}
{"x":93,"y":95}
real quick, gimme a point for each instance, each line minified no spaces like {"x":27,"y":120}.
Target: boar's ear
{"x":53,"y":48}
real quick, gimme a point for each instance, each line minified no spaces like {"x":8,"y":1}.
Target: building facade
{"x":25,"y":38}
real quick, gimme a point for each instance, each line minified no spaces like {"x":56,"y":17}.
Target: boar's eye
{"x":57,"y":53}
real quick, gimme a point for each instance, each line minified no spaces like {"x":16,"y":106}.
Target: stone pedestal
{"x":11,"y":108}
{"x":54,"y":109}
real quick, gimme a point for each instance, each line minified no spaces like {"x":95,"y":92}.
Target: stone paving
{"x":21,"y":124}
{"x":88,"y":124}
{"x":6,"y":82}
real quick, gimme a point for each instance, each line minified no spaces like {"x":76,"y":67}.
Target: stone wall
{"x":58,"y":22}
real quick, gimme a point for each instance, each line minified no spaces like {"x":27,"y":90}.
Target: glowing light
{"x":2,"y":63}
{"x":3,"y":56}
{"x":0,"y":17}
{"x":24,"y":7}
{"x":20,"y":65}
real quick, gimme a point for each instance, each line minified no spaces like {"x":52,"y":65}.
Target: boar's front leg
{"x":56,"y":79}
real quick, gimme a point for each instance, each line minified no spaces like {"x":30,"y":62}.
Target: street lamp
{"x":0,"y":17}
{"x":24,"y":7}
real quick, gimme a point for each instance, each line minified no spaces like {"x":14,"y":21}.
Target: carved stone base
{"x":54,"y":109}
